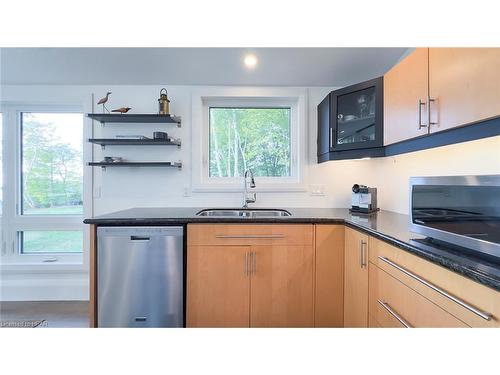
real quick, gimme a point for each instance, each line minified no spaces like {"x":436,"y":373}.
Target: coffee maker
{"x":363,"y":199}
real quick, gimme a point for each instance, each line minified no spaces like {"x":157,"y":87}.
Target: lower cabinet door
{"x":282,"y":286}
{"x":355,"y":279}
{"x":329,"y":276}
{"x":218,"y":286}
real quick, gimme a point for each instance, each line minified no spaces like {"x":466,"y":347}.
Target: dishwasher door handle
{"x":140,"y":238}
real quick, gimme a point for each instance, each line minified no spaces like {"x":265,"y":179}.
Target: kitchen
{"x":355,"y":188}
{"x":219,"y":239}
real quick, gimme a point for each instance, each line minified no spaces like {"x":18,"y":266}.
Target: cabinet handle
{"x":362,"y":258}
{"x":420,"y":104}
{"x":254,"y":262}
{"x":429,"y":122}
{"x":250,"y":236}
{"x":386,"y":306}
{"x":482,"y":314}
{"x":245,"y":267}
{"x":331,"y":137}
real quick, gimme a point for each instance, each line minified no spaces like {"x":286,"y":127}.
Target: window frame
{"x":202,"y":100}
{"x":13,"y":221}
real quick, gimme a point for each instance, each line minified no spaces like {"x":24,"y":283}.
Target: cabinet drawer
{"x":393,"y":304}
{"x":249,"y":234}
{"x":471,"y":302}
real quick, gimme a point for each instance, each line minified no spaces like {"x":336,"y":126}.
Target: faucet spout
{"x":246,"y":197}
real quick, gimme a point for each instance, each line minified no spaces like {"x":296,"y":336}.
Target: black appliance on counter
{"x":461,"y":210}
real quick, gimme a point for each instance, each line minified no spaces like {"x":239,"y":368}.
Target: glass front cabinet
{"x":350,"y":122}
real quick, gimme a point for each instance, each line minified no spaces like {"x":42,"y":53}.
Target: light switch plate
{"x":317,"y":189}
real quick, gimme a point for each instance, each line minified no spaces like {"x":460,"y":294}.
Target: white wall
{"x":117,"y":189}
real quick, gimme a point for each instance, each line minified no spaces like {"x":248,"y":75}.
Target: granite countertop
{"x":385,"y":225}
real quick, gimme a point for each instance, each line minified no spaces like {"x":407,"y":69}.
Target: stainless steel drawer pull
{"x":250,"y":236}
{"x":254,"y":264}
{"x":245,"y":268}
{"x":482,"y":314}
{"x":386,"y":306}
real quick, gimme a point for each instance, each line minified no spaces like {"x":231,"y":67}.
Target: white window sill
{"x":42,"y":268}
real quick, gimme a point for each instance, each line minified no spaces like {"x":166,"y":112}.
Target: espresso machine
{"x":363,"y":199}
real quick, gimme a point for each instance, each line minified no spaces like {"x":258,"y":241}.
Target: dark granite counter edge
{"x":461,"y":269}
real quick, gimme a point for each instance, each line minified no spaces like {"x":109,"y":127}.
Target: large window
{"x":249,"y":138}
{"x":51,"y":164}
{"x":43,"y":205}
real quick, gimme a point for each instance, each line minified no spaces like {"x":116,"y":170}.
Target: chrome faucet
{"x":246,"y":197}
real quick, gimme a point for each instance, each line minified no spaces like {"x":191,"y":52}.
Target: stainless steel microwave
{"x":461,"y":210}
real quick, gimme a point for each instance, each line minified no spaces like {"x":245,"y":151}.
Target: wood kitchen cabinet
{"x":355,"y":279}
{"x":219,"y":286}
{"x":329,"y":276}
{"x":405,"y":97}
{"x":465,"y":84}
{"x":282,"y":286}
{"x":424,"y":294}
{"x":436,"y":89}
{"x":250,"y":275}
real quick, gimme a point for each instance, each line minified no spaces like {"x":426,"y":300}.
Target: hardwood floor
{"x":44,"y":314}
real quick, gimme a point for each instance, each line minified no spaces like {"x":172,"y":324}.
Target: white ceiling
{"x":194,"y":66}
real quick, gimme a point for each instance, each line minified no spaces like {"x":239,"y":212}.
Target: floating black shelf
{"x":167,"y":164}
{"x":135,"y":118}
{"x":133,"y":142}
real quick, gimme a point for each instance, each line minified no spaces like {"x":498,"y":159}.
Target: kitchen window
{"x":234,"y":132}
{"x":249,"y":138}
{"x":43,"y":205}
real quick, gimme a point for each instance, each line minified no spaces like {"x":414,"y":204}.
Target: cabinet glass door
{"x":356,"y":117}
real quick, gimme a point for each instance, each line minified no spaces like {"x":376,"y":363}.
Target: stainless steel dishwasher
{"x":140,"y":277}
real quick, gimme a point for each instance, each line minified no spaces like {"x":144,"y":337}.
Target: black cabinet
{"x":350,"y":122}
{"x":325,"y":131}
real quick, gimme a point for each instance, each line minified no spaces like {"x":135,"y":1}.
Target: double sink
{"x":243,"y":212}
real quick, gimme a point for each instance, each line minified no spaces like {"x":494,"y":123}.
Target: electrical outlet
{"x":187,"y":191}
{"x":97,"y":192}
{"x":317,"y":189}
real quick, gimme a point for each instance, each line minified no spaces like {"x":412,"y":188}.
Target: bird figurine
{"x":103,"y":102}
{"x":122,"y":110}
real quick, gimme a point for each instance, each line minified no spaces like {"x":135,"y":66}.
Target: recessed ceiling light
{"x":250,"y":61}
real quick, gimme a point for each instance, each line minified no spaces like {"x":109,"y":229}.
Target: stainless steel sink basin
{"x":240,"y":212}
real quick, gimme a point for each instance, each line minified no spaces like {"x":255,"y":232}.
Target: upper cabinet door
{"x":357,"y":116}
{"x":324,"y":127}
{"x":465,"y":86}
{"x":405,"y":97}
